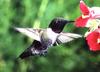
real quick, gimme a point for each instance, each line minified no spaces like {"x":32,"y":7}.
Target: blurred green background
{"x":74,"y":56}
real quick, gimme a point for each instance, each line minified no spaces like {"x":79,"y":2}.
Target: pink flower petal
{"x":92,"y":40}
{"x":84,"y":9}
{"x":81,"y":22}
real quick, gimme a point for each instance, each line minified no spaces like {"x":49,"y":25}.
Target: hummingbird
{"x":46,"y":38}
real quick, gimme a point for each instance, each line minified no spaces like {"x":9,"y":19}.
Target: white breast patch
{"x":52,"y":35}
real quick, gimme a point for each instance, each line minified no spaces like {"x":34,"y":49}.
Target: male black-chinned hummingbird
{"x":46,"y":38}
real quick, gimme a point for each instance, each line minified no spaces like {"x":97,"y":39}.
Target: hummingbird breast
{"x":48,"y":37}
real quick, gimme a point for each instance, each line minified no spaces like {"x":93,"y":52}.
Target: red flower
{"x":84,"y":8}
{"x":81,"y":22}
{"x":87,"y":13}
{"x":93,"y":40}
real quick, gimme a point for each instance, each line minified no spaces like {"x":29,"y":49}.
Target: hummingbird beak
{"x":65,"y":21}
{"x":57,"y":24}
{"x":70,"y":21}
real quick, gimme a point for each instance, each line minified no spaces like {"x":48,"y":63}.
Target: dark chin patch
{"x":57,"y":24}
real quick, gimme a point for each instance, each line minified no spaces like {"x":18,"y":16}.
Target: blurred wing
{"x":30,"y":32}
{"x":67,"y":37}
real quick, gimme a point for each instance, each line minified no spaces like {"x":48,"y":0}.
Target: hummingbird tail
{"x":25,"y":54}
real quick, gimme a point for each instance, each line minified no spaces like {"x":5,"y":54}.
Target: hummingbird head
{"x":57,"y":24}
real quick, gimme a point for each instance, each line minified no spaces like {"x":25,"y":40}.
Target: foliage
{"x":70,"y":57}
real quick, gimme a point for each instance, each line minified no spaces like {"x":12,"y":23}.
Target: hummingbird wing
{"x":35,"y":48}
{"x":36,"y":45}
{"x":66,"y":37}
{"x":30,"y":32}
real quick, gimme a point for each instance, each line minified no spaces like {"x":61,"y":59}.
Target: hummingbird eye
{"x":58,"y":22}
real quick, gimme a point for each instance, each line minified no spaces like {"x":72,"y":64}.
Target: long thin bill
{"x":71,"y":21}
